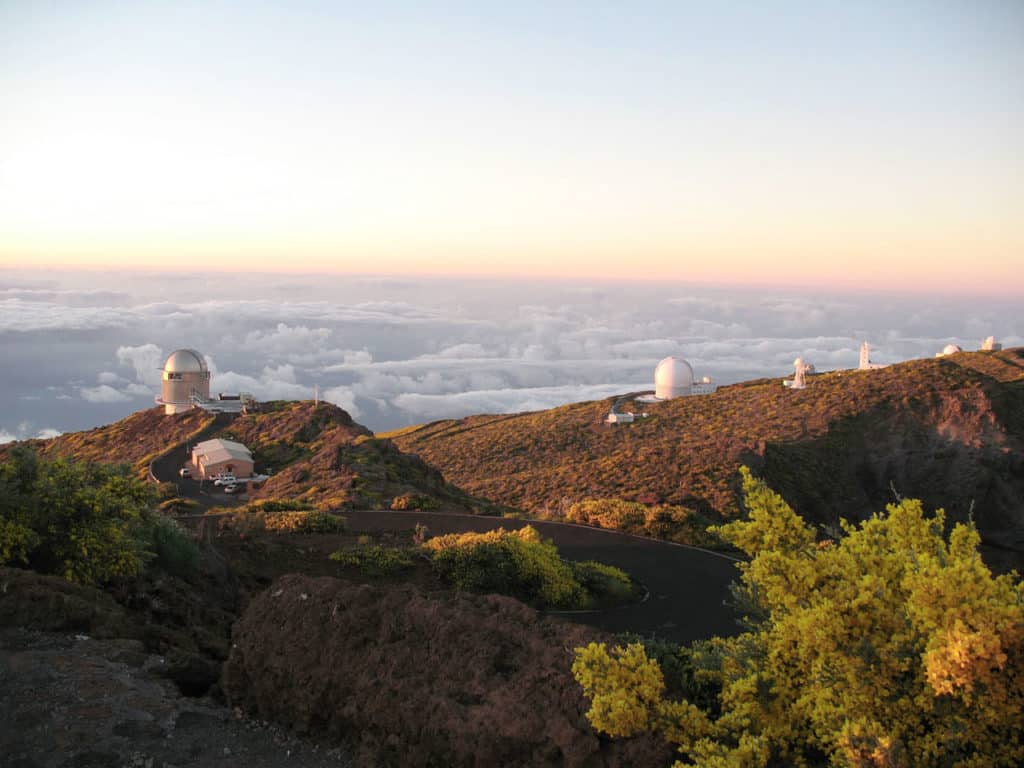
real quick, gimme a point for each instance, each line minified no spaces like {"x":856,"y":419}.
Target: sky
{"x":826,"y":146}
{"x":82,"y":349}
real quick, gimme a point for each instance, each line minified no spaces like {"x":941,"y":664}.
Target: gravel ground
{"x":69,"y":701}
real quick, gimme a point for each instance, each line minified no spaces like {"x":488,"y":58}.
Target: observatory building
{"x":674,"y":378}
{"x":185,"y":379}
{"x":949,"y":349}
{"x":991,"y":345}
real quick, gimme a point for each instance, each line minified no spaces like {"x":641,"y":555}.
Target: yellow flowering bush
{"x":893,"y":646}
{"x":518,"y":563}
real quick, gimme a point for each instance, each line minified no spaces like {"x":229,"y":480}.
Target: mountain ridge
{"x":947,"y":430}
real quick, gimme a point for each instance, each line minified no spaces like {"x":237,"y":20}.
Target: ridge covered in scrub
{"x":319,"y":455}
{"x":949,"y":431}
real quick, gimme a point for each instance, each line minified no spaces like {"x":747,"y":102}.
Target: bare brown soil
{"x":420,"y":680}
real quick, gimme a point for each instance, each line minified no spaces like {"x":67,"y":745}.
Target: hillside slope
{"x":949,"y":431}
{"x":318,"y":453}
{"x":133,"y":440}
{"x":321,"y":456}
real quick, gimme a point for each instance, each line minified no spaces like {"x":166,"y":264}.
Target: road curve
{"x":165,"y":468}
{"x":689,"y":588}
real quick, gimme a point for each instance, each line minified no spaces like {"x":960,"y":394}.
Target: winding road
{"x":689,"y":587}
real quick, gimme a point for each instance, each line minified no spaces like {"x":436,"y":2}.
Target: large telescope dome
{"x":185,"y":376}
{"x":673,"y":377}
{"x":185,"y":361}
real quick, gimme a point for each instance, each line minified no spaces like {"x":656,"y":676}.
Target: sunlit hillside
{"x":947,"y":430}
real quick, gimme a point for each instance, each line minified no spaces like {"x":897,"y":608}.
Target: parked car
{"x":185,"y":472}
{"x":233,"y":488}
{"x":225,"y":480}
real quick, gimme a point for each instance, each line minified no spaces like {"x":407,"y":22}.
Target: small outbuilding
{"x":213,"y":457}
{"x":619,"y":418}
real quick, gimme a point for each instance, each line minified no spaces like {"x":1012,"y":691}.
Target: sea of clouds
{"x":81,"y":349}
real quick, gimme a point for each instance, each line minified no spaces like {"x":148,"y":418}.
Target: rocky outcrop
{"x":417,"y":680}
{"x":74,"y":701}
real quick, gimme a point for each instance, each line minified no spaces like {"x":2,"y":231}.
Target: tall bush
{"x":90,"y":523}
{"x":518,"y":563}
{"x":894,"y":646}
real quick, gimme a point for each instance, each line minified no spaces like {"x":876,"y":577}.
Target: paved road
{"x":688,"y":587}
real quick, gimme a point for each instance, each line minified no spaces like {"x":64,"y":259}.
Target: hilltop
{"x":318,"y":454}
{"x":947,"y":430}
{"x":134,"y":440}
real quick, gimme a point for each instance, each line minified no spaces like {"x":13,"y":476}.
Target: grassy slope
{"x":319,"y":455}
{"x":134,"y":440}
{"x":949,"y":430}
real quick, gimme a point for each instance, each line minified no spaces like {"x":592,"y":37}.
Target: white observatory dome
{"x":185,"y":361}
{"x":951,"y":349}
{"x":673,"y":377}
{"x":185,"y":377}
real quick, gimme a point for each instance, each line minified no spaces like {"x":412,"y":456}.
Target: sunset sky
{"x":809,"y":143}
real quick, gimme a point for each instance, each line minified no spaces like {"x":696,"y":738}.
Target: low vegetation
{"x":90,"y":523}
{"x":944,"y":430}
{"x":660,"y":521}
{"x":374,"y":559}
{"x":323,"y":459}
{"x":518,"y":563}
{"x":256,"y":519}
{"x":134,"y":441}
{"x":891,"y":646}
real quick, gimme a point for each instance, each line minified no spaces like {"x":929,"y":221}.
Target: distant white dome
{"x":185,"y":361}
{"x":951,"y":349}
{"x":673,"y":377}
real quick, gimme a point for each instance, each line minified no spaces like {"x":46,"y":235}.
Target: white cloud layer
{"x":394,"y":352}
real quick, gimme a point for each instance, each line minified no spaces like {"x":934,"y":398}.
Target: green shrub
{"x":173,"y":547}
{"x":662,"y":521}
{"x":414,"y":501}
{"x":90,"y":523}
{"x":322,"y":522}
{"x":279,"y":505}
{"x":603,"y":582}
{"x":165,"y":491}
{"x":178,"y":506}
{"x":518,"y":563}
{"x":373,"y":559}
{"x":16,"y":541}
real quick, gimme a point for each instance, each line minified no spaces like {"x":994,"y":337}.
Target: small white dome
{"x":673,"y":377}
{"x":185,"y":361}
{"x":951,"y":349}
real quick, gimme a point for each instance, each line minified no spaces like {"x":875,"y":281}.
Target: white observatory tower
{"x":184,"y":374}
{"x":672,"y":378}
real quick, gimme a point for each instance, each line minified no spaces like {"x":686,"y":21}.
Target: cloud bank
{"x":84,"y":348}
